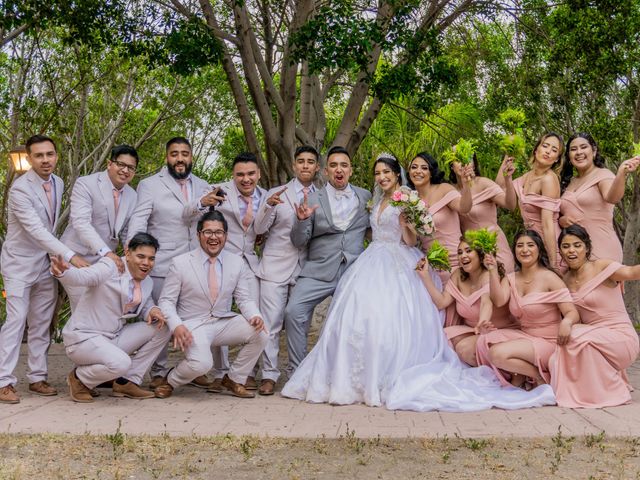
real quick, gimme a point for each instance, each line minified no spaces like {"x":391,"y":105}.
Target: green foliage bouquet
{"x":462,"y":152}
{"x":636,"y":149}
{"x":482,"y":240}
{"x":438,"y":257}
{"x":513,"y":143}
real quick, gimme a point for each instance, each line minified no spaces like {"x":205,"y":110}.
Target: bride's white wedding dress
{"x":382,"y":342}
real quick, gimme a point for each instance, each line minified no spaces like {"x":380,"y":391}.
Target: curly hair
{"x":464,"y":276}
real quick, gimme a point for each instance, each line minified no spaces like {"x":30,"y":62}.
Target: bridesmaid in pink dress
{"x":589,"y":197}
{"x":589,"y":370}
{"x":468,"y":288}
{"x":540,"y":302}
{"x":445,"y":203}
{"x":486,"y":196}
{"x":538,"y":192}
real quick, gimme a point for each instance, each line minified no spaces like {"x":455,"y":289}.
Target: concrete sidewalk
{"x":192,"y":411}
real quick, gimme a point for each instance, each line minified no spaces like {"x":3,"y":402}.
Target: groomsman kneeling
{"x":196,"y":299}
{"x":98,"y":338}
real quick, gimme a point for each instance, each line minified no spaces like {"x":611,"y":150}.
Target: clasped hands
{"x":183,"y":338}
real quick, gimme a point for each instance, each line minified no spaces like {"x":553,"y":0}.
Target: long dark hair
{"x":558,"y":164}
{"x":566,"y":174}
{"x":543,"y":256}
{"x":464,"y":276}
{"x":392,"y":163}
{"x":476,"y":169}
{"x":577,"y":231}
{"x":437,"y":175}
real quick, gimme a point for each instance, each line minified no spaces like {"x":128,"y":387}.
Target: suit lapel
{"x":123,"y":209}
{"x":359,"y":210}
{"x":124,"y":290}
{"x":171,"y":184}
{"x":106,"y":189}
{"x":198,"y":269}
{"x":59,"y":188}
{"x":233,"y":201}
{"x":36,"y":186}
{"x":323,"y":200}
{"x":290,"y":194}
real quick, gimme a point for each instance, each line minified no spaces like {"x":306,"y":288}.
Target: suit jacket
{"x":239,"y":241}
{"x":162,"y":211}
{"x":185,"y":294}
{"x":30,"y":235}
{"x":99,"y":311}
{"x":328,"y":245}
{"x":281,"y":260}
{"x":92,"y":223}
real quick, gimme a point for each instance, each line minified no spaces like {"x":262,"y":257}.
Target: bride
{"x":382,"y":342}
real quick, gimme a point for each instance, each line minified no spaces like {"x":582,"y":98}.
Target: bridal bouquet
{"x":415,"y":209}
{"x":438,"y":257}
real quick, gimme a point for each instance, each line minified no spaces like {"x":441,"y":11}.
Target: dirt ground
{"x":118,"y":456}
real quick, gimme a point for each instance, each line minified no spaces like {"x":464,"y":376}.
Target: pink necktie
{"x":305,"y":190}
{"x":248,"y":216}
{"x":47,"y":189}
{"x":132,"y":306}
{"x":213,"y":280}
{"x":183,"y":187}
{"x":116,"y":201}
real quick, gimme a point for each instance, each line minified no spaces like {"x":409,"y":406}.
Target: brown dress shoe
{"x":42,"y":388}
{"x":201,"y":382}
{"x":251,"y":383}
{"x":131,"y":390}
{"x":77,"y":390}
{"x":267,"y":387}
{"x":163,"y":391}
{"x":215,"y":386}
{"x":8,"y":395}
{"x":156,"y":382}
{"x":94,"y":393}
{"x":236,"y":389}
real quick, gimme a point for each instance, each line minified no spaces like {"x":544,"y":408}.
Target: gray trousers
{"x":100,"y":359}
{"x":305,"y":296}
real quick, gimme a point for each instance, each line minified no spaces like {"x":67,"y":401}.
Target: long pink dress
{"x":447,"y":223}
{"x":589,"y":370}
{"x":484,"y":214}
{"x":539,"y":318}
{"x":587,"y":206}
{"x":531,"y":206}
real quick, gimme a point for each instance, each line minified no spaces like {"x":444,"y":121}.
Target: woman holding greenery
{"x":589,"y":193}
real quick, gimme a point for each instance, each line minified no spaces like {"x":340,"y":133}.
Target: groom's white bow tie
{"x":346,"y":193}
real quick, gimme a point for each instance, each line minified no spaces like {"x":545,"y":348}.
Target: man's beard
{"x":180,"y":176}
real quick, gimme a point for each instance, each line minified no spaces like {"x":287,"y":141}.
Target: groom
{"x":332,"y":222}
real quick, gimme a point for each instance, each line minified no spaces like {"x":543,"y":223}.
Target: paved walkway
{"x":194,"y":412}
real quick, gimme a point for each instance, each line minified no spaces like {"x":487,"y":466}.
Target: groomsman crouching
{"x":98,"y":338}
{"x":196,"y":299}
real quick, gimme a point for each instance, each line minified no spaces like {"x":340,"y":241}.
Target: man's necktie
{"x":213,"y":280}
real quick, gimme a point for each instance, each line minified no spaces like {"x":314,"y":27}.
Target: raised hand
{"x":304,"y":211}
{"x":468,"y":174}
{"x":58,"y":265}
{"x":508,"y":167}
{"x":182,"y":338}
{"x":214,"y":198}
{"x":274,"y":199}
{"x":489,"y":262}
{"x":630,"y":165}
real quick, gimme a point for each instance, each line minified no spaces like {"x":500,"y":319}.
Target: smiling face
{"x":212,"y":237}
{"x":121,"y":170}
{"x":338,"y":170}
{"x":526,"y":251}
{"x":140,"y":261}
{"x":246,"y":176}
{"x":574,"y":251}
{"x":581,"y":154}
{"x":179,"y":160}
{"x":468,"y":258}
{"x":548,"y":152}
{"x":385,"y":177}
{"x":419,"y":172}
{"x":43,"y":158}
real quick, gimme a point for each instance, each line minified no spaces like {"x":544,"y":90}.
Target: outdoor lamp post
{"x":18,"y":159}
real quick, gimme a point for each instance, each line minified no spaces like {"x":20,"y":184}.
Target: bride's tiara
{"x":385,"y":155}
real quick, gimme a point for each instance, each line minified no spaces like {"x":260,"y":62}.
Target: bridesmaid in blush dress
{"x":589,"y":370}
{"x":468,"y":288}
{"x":538,"y":192}
{"x":486,"y":196}
{"x":540,"y":302}
{"x":444,"y":201}
{"x":589,"y":197}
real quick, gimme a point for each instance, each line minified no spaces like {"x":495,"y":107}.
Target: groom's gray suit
{"x":331,"y":251}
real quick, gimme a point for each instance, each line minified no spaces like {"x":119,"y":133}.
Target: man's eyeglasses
{"x":123,"y":166}
{"x":211,"y":233}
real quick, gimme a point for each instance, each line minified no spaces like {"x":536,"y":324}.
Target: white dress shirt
{"x":344,"y":204}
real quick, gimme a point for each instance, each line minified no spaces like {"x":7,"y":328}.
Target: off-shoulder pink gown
{"x":531,"y":206}
{"x":539,"y":318}
{"x":588,"y":208}
{"x":589,"y":370}
{"x":447,"y":223}
{"x":484,"y":214}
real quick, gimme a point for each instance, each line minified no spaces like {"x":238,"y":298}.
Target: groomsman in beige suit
{"x":281,"y":261}
{"x":243,"y":197}
{"x":101,"y":205}
{"x":99,"y":337}
{"x":196,"y":300}
{"x":169,"y":205}
{"x":33,"y":213}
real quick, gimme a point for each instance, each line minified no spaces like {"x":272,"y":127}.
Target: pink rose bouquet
{"x":415,"y":210}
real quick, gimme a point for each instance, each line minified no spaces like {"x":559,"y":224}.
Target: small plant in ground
{"x":563,"y":445}
{"x":475,"y":443}
{"x":355,"y":443}
{"x":595,"y":439}
{"x":116,"y":440}
{"x":247,"y":446}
